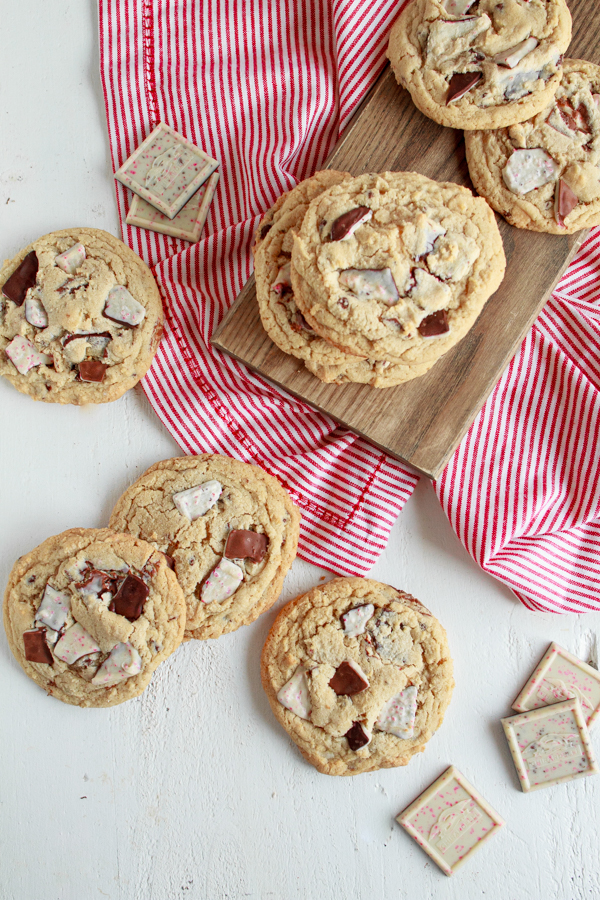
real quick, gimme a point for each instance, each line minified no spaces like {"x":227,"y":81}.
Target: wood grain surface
{"x":423,"y":421}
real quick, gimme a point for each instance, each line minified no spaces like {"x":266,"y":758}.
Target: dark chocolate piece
{"x":170,"y":561}
{"x":436,"y":323}
{"x":357,"y":736}
{"x":92,"y":370}
{"x":576,"y":117}
{"x":86,"y":335}
{"x":348,"y":221}
{"x":98,"y":582}
{"x":246,"y":545}
{"x":36,"y":648}
{"x":130,"y":598}
{"x":461,"y":83}
{"x":265,"y":230}
{"x":347,"y":680}
{"x":21,"y":279}
{"x":565,"y":201}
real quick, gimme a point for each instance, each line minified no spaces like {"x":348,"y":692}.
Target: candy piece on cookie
{"x":122,"y":307}
{"x":124,"y":661}
{"x":54,"y":608}
{"x":70,"y":260}
{"x":24,"y":356}
{"x":130,"y":598}
{"x":398,"y":715}
{"x":294,"y":694}
{"x":527,"y":170}
{"x":22,"y":279}
{"x":355,"y":620}
{"x":244,"y":544}
{"x":222,"y":582}
{"x":35,"y":313}
{"x":357,"y":736}
{"x":75,"y":642}
{"x":196,"y":501}
{"x":36,"y":647}
{"x":349,"y":679}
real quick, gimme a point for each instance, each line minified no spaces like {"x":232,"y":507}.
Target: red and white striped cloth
{"x":267,"y":87}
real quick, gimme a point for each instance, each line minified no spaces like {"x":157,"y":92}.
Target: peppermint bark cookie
{"x":90,"y":614}
{"x":80,"y":318}
{"x":480,"y":63}
{"x":359,"y":674}
{"x":229,"y":528}
{"x":396,"y":267}
{"x":544,"y":174}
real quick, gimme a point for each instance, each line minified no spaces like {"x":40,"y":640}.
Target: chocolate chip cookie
{"x":544,"y":174}
{"x":396,"y":267}
{"x":90,"y":614}
{"x":359,"y":674}
{"x":480,"y":63}
{"x":80,"y":318}
{"x":229,"y":529}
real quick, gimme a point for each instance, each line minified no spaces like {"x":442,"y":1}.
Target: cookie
{"x":90,"y":614}
{"x":396,"y":267}
{"x":229,"y":528}
{"x":480,"y":63}
{"x":80,"y":318}
{"x":544,"y":174}
{"x":359,"y":674}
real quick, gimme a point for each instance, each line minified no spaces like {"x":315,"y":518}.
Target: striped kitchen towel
{"x":267,"y":87}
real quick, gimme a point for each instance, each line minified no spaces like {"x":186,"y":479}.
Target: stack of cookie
{"x":371,"y":279}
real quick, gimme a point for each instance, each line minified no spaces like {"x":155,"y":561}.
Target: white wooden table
{"x":192,"y":790}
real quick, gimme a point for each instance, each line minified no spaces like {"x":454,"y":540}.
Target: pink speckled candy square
{"x":166,"y":170}
{"x":550,"y":745}
{"x":561,"y":676}
{"x":450,"y":820}
{"x":189,"y":221}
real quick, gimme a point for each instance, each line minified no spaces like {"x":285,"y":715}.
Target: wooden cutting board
{"x":423,"y":421}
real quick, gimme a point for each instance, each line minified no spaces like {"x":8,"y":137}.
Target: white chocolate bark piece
{"x":24,"y":356}
{"x":450,"y":820}
{"x":550,"y":745}
{"x":283,"y":279}
{"x":370,"y":284}
{"x":54,"y":609}
{"x":512,"y":57}
{"x":123,"y":662}
{"x":34,"y":311}
{"x":222,"y":582}
{"x":354,"y":620}
{"x":398,"y":715}
{"x":75,"y":643}
{"x":121,"y":306}
{"x":166,"y":170}
{"x":187,"y":225}
{"x":529,"y":169}
{"x":196,"y":501}
{"x":294,"y":694}
{"x":71,"y":259}
{"x":561,"y":676}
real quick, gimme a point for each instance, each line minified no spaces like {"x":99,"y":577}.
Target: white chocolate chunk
{"x":34,"y":311}
{"x":512,"y":57}
{"x":71,"y":259}
{"x":54,"y":609}
{"x":74,"y":643}
{"x":284,"y":279}
{"x":123,"y":662}
{"x":24,"y":356}
{"x":398,"y":715}
{"x":294,"y":694}
{"x":354,"y":620}
{"x":122,"y":307}
{"x":370,"y":284}
{"x":514,"y":83}
{"x":222,"y":582}
{"x":419,"y":237}
{"x":529,"y":169}
{"x":196,"y":501}
{"x":458,"y":7}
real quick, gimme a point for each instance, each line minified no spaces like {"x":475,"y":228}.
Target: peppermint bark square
{"x":166,"y":170}
{"x":561,"y":676}
{"x":189,"y":221}
{"x":550,"y":745}
{"x":450,"y":820}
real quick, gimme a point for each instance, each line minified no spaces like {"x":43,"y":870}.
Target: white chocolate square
{"x":189,"y":221}
{"x":550,"y":745}
{"x":166,"y":170}
{"x":450,"y":820}
{"x":561,"y":676}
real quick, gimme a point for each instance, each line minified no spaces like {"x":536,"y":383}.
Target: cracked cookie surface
{"x":189,"y":507}
{"x":90,"y":614}
{"x":80,"y":318}
{"x":544,"y":174}
{"x":480,"y":63}
{"x":359,"y":674}
{"x":396,"y":266}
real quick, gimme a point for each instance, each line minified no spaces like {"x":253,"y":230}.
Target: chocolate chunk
{"x":357,"y":736}
{"x":97,"y":582}
{"x":170,"y":561}
{"x":92,"y":370}
{"x":246,"y":545}
{"x":349,"y":221}
{"x":436,"y":323}
{"x":461,"y":83}
{"x":576,"y":117}
{"x":349,"y":679}
{"x":265,"y":230}
{"x":565,"y":201}
{"x":86,"y":335}
{"x":36,"y":648}
{"x":21,"y":279}
{"x":130,"y":598}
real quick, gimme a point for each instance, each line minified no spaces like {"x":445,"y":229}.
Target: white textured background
{"x":192,"y":790}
